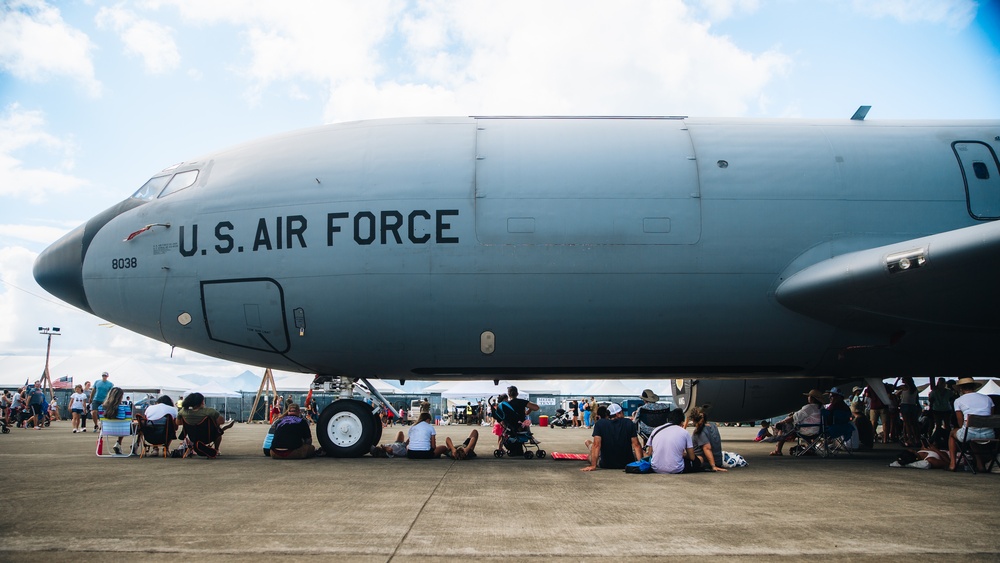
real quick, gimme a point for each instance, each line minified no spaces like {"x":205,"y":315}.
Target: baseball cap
{"x":614,"y":408}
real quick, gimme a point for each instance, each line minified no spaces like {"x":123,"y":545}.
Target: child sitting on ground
{"x":765,"y":431}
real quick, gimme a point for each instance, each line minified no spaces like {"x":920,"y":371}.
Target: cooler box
{"x":543,"y":420}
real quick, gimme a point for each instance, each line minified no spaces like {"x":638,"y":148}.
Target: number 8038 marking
{"x":124,"y":263}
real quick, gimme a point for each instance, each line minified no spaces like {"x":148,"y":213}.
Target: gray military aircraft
{"x":749,"y":259}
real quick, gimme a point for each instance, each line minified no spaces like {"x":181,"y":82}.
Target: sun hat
{"x":815,"y":394}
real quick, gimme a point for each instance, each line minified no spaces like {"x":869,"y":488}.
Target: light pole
{"x":46,"y":380}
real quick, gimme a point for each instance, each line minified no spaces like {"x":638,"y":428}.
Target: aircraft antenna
{"x":861,"y":113}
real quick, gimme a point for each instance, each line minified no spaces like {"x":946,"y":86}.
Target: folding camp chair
{"x":201,"y":438}
{"x":986,"y":448}
{"x":115,"y":428}
{"x":651,"y":419}
{"x":837,"y":432}
{"x":157,"y":433}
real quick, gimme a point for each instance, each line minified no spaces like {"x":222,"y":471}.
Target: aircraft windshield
{"x":150,"y":189}
{"x":160,"y":186}
{"x":179,"y":182}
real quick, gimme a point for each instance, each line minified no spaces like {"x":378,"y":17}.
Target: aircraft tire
{"x":346,"y":428}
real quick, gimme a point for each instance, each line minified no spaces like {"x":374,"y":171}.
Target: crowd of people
{"x":669,"y":440}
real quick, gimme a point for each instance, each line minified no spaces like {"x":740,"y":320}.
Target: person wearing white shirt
{"x":162,"y":407}
{"x":969,"y":403}
{"x":77,"y":406}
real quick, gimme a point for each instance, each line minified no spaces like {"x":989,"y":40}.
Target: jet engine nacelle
{"x":739,"y":400}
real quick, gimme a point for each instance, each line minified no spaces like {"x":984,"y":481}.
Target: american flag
{"x":65,"y":382}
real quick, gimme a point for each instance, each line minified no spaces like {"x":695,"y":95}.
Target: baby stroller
{"x":3,"y":426}
{"x":516,"y":439}
{"x":561,"y":419}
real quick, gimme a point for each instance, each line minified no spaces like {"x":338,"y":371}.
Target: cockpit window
{"x":179,"y":182}
{"x":150,"y":189}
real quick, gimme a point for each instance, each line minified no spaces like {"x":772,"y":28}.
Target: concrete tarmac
{"x":61,"y":503}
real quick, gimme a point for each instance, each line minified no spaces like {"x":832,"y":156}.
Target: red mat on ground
{"x":579,"y":457}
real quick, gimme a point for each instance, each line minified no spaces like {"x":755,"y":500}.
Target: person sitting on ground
{"x":292,"y":437}
{"x":866,"y":433}
{"x":969,"y":403}
{"x":466,"y":450}
{"x":764,"y":432}
{"x":422,"y":442}
{"x":706,"y":439}
{"x":670,"y":447}
{"x":193,"y":412}
{"x":616,"y":443}
{"x":803,"y":422}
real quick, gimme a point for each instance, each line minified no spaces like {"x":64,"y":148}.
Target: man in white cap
{"x":615,"y":442}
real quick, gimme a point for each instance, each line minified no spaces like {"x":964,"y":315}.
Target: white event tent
{"x":991,"y":388}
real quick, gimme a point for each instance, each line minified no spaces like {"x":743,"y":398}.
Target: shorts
{"x":76,"y":411}
{"x":908,"y":409}
{"x":966,"y":434}
{"x":96,"y":405}
{"x":420,"y":454}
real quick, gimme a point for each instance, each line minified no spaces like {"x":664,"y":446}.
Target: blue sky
{"x":96,"y":97}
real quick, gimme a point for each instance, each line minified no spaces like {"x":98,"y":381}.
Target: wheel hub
{"x":345,"y":429}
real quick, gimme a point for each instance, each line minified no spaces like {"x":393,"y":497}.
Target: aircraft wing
{"x":946,"y":281}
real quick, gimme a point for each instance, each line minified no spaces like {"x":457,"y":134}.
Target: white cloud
{"x":152,"y":42}
{"x":39,"y":234}
{"x":36,"y":44}
{"x":383,"y":58}
{"x":23,"y":130}
{"x":724,"y":9}
{"x":956,"y":14}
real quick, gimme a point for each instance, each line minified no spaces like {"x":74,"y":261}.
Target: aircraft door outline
{"x":981,"y":175}
{"x":246,"y":312}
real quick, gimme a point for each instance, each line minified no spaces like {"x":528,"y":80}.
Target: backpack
{"x":640,"y":467}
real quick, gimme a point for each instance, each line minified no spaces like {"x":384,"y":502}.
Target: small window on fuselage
{"x":180,"y":181}
{"x":980,"y":170}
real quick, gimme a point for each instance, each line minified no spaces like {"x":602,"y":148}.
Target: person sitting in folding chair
{"x":157,"y":426}
{"x":804,"y":423}
{"x":116,"y":421}
{"x":202,"y":427}
{"x":969,"y":403}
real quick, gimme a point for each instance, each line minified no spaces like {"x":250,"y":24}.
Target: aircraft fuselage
{"x":541,"y":247}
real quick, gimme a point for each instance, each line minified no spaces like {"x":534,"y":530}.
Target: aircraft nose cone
{"x":59,"y":269}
